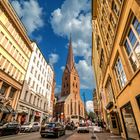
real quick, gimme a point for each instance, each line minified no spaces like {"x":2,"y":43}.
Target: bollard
{"x":93,"y":136}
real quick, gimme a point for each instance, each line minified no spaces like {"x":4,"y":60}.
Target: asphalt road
{"x":34,"y":136}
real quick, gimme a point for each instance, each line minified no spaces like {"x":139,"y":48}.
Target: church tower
{"x":70,"y":79}
{"x":69,"y":106}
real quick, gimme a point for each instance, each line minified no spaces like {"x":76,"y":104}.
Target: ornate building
{"x":70,"y":106}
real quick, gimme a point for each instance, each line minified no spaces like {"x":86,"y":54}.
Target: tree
{"x":92,"y":115}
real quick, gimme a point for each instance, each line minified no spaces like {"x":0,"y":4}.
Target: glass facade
{"x":129,"y":122}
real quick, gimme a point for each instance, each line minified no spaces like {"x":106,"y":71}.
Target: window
{"x":25,"y":96}
{"x":30,"y":98}
{"x":32,"y":70}
{"x":138,"y":100}
{"x":12,"y":92}
{"x":33,"y":84}
{"x":3,"y":89}
{"x":115,"y":8}
{"x":132,"y":44}
{"x":29,"y":82}
{"x":112,"y":21}
{"x":109,"y":90}
{"x":120,"y":74}
{"x":34,"y":100}
{"x":74,"y":78}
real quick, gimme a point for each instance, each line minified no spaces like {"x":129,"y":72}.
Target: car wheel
{"x":43,"y":136}
{"x":17,"y":131}
{"x":64,"y":132}
{"x":31,"y":130}
{"x":57,"y":135}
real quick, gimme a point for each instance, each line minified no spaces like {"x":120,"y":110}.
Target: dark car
{"x":52,"y":129}
{"x":9,"y":128}
{"x":69,"y":126}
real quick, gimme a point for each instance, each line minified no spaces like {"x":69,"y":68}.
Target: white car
{"x":83,"y":128}
{"x":97,"y":129}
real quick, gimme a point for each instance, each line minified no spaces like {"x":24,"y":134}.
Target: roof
{"x":62,"y":99}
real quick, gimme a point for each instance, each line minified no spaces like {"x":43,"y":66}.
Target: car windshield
{"x":49,"y":125}
{"x":27,"y":123}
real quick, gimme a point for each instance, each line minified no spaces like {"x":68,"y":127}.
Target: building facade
{"x":35,"y":99}
{"x":116,"y":53}
{"x":70,"y":106}
{"x":15,"y":52}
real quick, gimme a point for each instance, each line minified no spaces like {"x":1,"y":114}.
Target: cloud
{"x":89,"y":106}
{"x":74,"y":17}
{"x":58,"y":89}
{"x":86,"y":74}
{"x":53,"y":58}
{"x":30,"y":14}
{"x":62,"y":68}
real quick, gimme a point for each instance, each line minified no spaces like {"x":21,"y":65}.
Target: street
{"x":70,"y":135}
{"x":34,"y":136}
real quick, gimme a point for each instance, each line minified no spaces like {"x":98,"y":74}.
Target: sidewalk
{"x":107,"y":136}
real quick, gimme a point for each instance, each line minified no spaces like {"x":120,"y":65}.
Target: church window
{"x":64,"y":85}
{"x":76,"y":85}
{"x":73,"y":84}
{"x":67,"y":85}
{"x":74,"y":78}
{"x":65,"y":78}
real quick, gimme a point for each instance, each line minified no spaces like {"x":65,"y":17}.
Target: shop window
{"x":132,"y":44}
{"x":138,"y":100}
{"x":129,"y":122}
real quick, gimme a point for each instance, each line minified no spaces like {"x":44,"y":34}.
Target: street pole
{"x":84,"y":98}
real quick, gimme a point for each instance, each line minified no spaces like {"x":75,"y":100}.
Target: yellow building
{"x":116,"y":61}
{"x":15,"y":52}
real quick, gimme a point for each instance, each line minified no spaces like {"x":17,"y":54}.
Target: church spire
{"x":70,"y":58}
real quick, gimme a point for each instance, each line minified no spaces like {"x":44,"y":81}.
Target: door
{"x":129,"y":122}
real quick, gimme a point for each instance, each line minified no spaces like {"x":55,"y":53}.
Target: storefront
{"x":129,"y":122}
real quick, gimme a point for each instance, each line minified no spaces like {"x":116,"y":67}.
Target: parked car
{"x":52,"y":129}
{"x":30,"y":127}
{"x":83,"y":128}
{"x":10,"y":128}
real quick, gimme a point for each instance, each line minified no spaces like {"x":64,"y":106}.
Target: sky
{"x":49,"y":23}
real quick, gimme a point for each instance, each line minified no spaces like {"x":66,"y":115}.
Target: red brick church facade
{"x":70,"y":106}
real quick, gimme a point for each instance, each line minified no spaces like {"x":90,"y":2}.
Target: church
{"x":70,"y":107}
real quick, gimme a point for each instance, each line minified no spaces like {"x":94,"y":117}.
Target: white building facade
{"x":35,"y":99}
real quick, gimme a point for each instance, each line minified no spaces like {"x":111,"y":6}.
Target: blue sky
{"x":49,"y":23}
